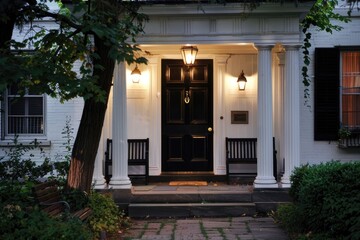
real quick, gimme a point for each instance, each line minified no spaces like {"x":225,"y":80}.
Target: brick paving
{"x":238,"y":228}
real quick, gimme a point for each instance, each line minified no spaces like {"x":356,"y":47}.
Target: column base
{"x":265,"y":182}
{"x":120,"y":183}
{"x":285,"y":182}
{"x":99,"y":183}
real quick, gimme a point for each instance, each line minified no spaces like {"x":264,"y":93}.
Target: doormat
{"x":188,"y":183}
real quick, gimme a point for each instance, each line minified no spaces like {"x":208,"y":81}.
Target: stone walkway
{"x":238,"y":228}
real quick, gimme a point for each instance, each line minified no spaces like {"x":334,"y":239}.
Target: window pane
{"x":25,"y":115}
{"x":16,"y":106}
{"x":351,"y":89}
{"x":35,"y":106}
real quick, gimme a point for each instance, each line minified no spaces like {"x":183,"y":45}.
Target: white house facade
{"x":266,"y":45}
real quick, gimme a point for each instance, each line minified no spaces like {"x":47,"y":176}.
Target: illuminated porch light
{"x":242,"y":81}
{"x":189,"y":54}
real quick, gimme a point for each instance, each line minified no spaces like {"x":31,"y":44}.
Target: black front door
{"x":187,"y":116}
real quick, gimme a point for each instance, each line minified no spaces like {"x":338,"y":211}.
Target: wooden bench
{"x":48,"y":196}
{"x":244,"y":151}
{"x":138,"y":155}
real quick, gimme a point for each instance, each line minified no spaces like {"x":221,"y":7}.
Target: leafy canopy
{"x":51,"y":65}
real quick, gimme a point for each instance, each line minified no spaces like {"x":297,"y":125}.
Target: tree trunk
{"x":88,"y":136}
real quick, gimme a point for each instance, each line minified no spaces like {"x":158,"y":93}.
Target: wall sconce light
{"x":189,"y":54}
{"x":242,"y":81}
{"x":135,"y":75}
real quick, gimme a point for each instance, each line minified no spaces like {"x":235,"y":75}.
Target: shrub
{"x":20,"y":218}
{"x":35,"y":224}
{"x":297,"y":179}
{"x":106,"y":216}
{"x":290,"y":218}
{"x":329,"y":197}
{"x":13,"y":166}
{"x":326,"y":201}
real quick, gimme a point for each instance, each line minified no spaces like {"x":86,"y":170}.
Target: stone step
{"x":173,"y":210}
{"x":201,"y":197}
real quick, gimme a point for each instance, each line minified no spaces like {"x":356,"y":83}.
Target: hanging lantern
{"x":242,"y":81}
{"x":189,"y":54}
{"x":135,"y":75}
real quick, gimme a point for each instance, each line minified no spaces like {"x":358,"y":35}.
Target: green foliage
{"x":344,"y":133}
{"x":327,"y":201}
{"x":329,"y":197}
{"x":50,"y":68}
{"x":20,"y":218}
{"x":62,"y":166}
{"x":297,"y":179}
{"x":19,"y":223}
{"x":77,"y":199}
{"x":106,"y":215}
{"x":323,"y":18}
{"x":14,"y":167}
{"x":290,"y":218}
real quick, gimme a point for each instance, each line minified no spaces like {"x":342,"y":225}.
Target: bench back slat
{"x":241,"y":150}
{"x":138,"y":155}
{"x":53,"y":210}
{"x":138,"y":150}
{"x":244,"y":151}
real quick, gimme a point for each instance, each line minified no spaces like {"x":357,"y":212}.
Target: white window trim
{"x":7,"y":138}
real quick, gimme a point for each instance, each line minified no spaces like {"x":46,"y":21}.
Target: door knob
{"x":210,"y":129}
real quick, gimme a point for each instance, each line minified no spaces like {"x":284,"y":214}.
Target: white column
{"x":219,"y":114}
{"x":279,"y":103}
{"x":119,"y":179}
{"x":291,"y":112}
{"x":98,"y":180}
{"x":155,"y":117}
{"x":265,"y":178}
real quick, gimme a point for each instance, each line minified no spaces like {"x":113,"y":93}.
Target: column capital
{"x":292,"y":46}
{"x":264,"y":46}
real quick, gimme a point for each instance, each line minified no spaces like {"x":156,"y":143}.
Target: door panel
{"x":175,"y":113}
{"x":187,"y":145}
{"x":198,"y":111}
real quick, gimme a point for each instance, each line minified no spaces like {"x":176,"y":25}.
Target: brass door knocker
{"x":187,"y":97}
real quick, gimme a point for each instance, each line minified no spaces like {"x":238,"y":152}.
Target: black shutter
{"x":327,"y":98}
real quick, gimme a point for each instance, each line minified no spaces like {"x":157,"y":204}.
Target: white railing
{"x":25,"y":125}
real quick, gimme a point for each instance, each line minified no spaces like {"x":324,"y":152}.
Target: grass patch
{"x":173,"y":232}
{"x":162,"y":224}
{"x":203,"y":230}
{"x":222,"y":233}
{"x":247,"y":227}
{"x":146,"y":226}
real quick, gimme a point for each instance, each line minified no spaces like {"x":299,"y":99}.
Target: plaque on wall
{"x":239,"y":117}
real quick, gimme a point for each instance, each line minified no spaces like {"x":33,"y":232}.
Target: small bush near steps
{"x":326,"y":202}
{"x":106,"y":217}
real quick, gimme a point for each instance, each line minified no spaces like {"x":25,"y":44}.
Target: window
{"x":336,"y":91}
{"x":350,"y":90}
{"x":24,"y":115}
